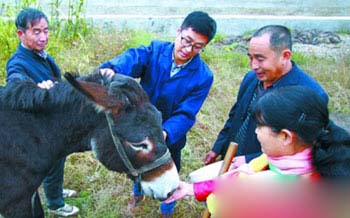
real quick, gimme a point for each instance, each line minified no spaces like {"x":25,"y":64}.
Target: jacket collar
{"x":290,"y":78}
{"x":193,"y":65}
{"x":30,"y":52}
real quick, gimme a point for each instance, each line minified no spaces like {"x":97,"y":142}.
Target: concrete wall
{"x":234,"y":17}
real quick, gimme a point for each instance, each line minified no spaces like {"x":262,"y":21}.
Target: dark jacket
{"x":251,"y":146}
{"x":27,"y":64}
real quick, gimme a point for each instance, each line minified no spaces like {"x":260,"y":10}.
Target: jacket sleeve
{"x":24,"y":67}
{"x":184,"y":116}
{"x":203,"y":189}
{"x":15,"y":70}
{"x":131,"y":62}
{"x":227,"y":133}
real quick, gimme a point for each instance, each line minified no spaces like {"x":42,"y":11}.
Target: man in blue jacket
{"x":175,"y":78}
{"x":270,"y":53}
{"x":31,"y":62}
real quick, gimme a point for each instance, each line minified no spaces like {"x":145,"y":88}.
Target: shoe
{"x":65,"y":211}
{"x":68,"y":193}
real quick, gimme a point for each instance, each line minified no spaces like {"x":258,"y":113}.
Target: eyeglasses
{"x":196,"y":47}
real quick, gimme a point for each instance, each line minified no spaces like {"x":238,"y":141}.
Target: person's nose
{"x":43,"y":36}
{"x":189,"y":48}
{"x":254,"y":64}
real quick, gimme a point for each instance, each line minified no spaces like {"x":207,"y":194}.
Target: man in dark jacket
{"x":175,"y":78}
{"x":31,"y":62}
{"x":270,"y":53}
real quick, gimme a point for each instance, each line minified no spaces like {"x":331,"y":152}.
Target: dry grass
{"x":104,"y":194}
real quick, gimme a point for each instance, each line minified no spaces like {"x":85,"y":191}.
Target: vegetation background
{"x":79,"y":47}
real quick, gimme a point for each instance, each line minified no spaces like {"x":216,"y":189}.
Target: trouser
{"x":165,"y":208}
{"x":53,"y":185}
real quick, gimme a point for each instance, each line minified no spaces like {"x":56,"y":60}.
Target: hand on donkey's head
{"x":122,"y":90}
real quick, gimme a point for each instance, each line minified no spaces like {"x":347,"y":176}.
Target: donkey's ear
{"x":73,"y":81}
{"x":94,"y":91}
{"x":127,"y":88}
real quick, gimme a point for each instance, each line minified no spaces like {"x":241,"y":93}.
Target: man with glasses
{"x":175,"y":78}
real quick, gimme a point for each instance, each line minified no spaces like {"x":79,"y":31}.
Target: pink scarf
{"x":299,"y":163}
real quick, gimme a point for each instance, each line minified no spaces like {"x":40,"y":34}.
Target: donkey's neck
{"x":74,"y":127}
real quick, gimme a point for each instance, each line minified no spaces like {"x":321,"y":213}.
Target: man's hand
{"x":47,"y":84}
{"x":183,"y":190}
{"x":210,"y":157}
{"x":107,"y":72}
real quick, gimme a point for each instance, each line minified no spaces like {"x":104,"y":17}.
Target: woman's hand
{"x":183,"y":190}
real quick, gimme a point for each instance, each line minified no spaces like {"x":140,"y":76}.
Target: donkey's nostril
{"x":171,"y":193}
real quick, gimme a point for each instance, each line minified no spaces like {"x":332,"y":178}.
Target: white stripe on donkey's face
{"x":160,"y":186}
{"x":159,"y":183}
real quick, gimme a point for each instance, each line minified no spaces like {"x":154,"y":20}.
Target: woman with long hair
{"x":298,"y":140}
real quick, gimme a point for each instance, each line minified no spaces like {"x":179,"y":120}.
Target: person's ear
{"x":286,"y":54}
{"x":288,"y":137}
{"x":20,"y":33}
{"x":178,"y":31}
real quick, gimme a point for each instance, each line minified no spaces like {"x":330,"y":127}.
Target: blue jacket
{"x":27,"y":64}
{"x":251,"y":146}
{"x":180,"y":97}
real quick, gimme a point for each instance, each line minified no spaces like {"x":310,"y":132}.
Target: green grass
{"x":333,"y":76}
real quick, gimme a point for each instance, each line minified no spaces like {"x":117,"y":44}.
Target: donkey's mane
{"x":26,"y":96}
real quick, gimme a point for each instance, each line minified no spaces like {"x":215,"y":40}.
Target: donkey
{"x":113,"y":117}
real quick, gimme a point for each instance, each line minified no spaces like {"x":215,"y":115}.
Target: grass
{"x":104,"y":194}
{"x":333,"y":76}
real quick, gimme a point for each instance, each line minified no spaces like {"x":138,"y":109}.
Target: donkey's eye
{"x":142,"y":145}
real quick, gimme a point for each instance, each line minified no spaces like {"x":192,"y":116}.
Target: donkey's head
{"x":133,"y":141}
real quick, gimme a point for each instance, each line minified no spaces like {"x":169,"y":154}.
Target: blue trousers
{"x":164,"y":208}
{"x":53,"y":185}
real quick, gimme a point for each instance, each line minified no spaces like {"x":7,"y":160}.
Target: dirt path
{"x":342,"y":120}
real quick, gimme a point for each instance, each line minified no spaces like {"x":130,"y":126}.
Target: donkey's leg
{"x":19,"y":209}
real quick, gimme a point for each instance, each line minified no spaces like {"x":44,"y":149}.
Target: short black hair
{"x":29,"y":16}
{"x":201,"y":23}
{"x":280,"y":36}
